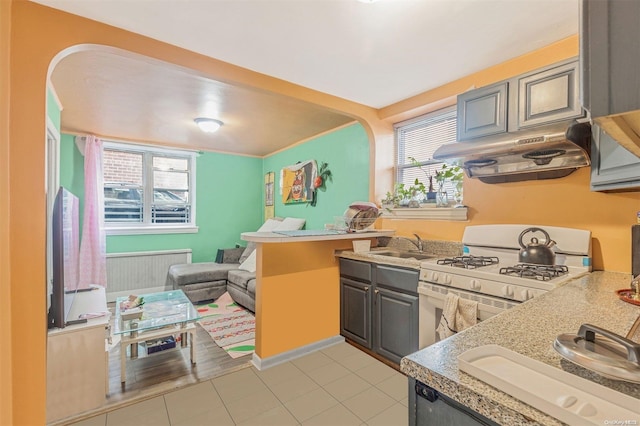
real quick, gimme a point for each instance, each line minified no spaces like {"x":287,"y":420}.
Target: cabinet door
{"x":396,"y":324}
{"x":483,"y":111}
{"x":355,"y":311}
{"x":610,"y":55}
{"x":549,"y":95}
{"x":612,"y":166}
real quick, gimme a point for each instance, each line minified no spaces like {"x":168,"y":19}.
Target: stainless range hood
{"x":544,"y":153}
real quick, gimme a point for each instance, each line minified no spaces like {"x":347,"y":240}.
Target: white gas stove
{"x":490,"y":262}
{"x":489,"y":271}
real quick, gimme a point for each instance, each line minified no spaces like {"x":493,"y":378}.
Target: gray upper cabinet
{"x":483,"y":112}
{"x":549,"y":95}
{"x":539,"y":97}
{"x":613,"y":168}
{"x":610,"y":56}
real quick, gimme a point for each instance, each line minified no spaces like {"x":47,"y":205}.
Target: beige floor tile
{"x":347,"y":386}
{"x":100,"y":420}
{"x":369,"y":403}
{"x":376,"y":372}
{"x":192,"y":401}
{"x":328,"y":373}
{"x":293,"y":388}
{"x":149,"y":412}
{"x":312,"y":361}
{"x":238,"y":385}
{"x":396,"y":386}
{"x":340,"y":351}
{"x":405,"y":401}
{"x":357,"y":361}
{"x":279,"y":373}
{"x":398,"y":415}
{"x":214,"y":417}
{"x":311,"y":404}
{"x":278,"y":416}
{"x":252,"y":405}
{"x":338,"y":415}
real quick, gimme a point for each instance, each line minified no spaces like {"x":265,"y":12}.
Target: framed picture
{"x":269,"y":208}
{"x":297,"y":182}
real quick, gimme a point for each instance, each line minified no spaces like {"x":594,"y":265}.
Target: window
{"x":148,"y":187}
{"x":419,"y":138}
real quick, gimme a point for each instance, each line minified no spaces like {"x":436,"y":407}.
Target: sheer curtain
{"x":92,"y":267}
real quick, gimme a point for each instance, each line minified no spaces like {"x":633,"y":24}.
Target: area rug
{"x":231,"y":326}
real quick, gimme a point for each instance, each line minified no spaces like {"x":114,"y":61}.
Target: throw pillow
{"x":290,"y":224}
{"x":250,"y":263}
{"x":268,"y":226}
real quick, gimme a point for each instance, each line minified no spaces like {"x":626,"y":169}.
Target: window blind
{"x":419,"y":138}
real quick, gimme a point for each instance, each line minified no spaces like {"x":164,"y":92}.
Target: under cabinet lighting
{"x":208,"y":125}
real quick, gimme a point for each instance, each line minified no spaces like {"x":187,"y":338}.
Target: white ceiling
{"x":374,"y":54}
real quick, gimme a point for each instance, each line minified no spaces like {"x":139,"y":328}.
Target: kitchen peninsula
{"x":297,"y":292}
{"x":530,"y":330}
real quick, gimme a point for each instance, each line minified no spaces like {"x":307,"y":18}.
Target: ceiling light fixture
{"x":208,"y":125}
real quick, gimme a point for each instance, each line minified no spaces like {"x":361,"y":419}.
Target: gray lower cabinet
{"x":355,"y":311}
{"x":396,"y":324}
{"x":613,"y":168}
{"x":379,"y":307}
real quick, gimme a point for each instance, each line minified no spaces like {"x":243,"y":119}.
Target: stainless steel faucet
{"x":419,"y":243}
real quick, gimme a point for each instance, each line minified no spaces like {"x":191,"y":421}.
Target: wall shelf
{"x":428,"y":213}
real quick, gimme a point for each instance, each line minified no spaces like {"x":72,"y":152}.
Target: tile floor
{"x":339,"y":385}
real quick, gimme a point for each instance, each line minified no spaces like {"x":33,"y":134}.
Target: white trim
{"x":272,"y":361}
{"x":54,"y":94}
{"x":431,"y":213}
{"x":151,"y":229}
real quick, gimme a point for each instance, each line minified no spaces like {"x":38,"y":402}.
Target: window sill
{"x":430,"y":213}
{"x":147,"y":230}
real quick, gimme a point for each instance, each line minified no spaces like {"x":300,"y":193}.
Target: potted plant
{"x":455,"y":174}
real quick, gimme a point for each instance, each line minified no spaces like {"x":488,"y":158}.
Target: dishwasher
{"x":429,"y":407}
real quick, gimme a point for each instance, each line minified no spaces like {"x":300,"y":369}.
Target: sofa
{"x":234,"y":271}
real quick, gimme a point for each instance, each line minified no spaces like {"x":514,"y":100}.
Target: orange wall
{"x":6,"y":396}
{"x":558,"y":202}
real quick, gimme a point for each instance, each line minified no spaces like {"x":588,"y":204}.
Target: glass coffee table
{"x":163,"y":314}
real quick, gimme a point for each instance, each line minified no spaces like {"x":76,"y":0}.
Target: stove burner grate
{"x":537,"y":272}
{"x":469,"y":262}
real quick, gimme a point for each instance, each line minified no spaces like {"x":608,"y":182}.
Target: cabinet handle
{"x":376,"y":291}
{"x":366,"y":288}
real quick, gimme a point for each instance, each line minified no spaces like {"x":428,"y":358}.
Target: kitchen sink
{"x":402,"y":254}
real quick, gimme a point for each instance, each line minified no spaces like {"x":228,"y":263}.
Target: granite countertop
{"x":529,"y":329}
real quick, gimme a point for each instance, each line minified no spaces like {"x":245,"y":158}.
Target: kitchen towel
{"x":457,"y":315}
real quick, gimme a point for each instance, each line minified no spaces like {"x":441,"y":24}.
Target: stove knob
{"x":446,"y":279}
{"x":475,"y":285}
{"x":507,"y":291}
{"x":526,"y":294}
{"x":434,"y":277}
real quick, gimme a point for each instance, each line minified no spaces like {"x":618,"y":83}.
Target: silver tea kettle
{"x":534,"y":252}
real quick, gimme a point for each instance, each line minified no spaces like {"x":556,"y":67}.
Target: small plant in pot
{"x":455,"y":174}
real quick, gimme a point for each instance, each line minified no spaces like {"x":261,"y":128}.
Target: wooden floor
{"x":162,"y":372}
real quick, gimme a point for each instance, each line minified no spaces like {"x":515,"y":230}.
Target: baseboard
{"x":263,"y":364}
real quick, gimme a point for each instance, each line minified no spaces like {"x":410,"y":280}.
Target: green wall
{"x":230,"y":192}
{"x":228,"y":202}
{"x":347,"y":153}
{"x":53,"y":110}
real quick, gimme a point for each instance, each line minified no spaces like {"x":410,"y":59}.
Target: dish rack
{"x":360,"y":222}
